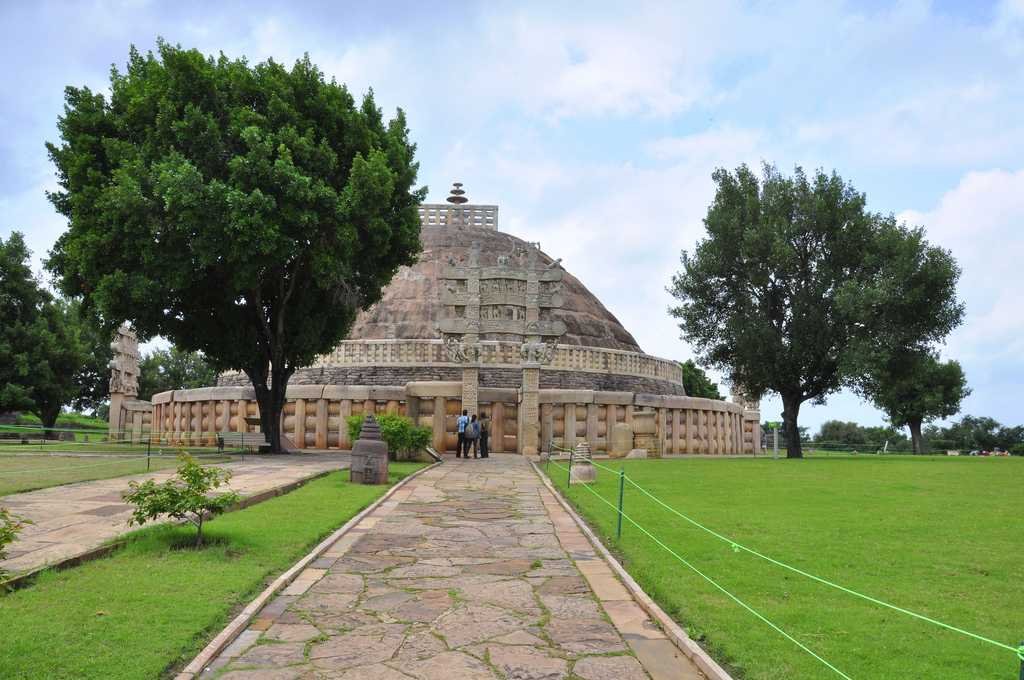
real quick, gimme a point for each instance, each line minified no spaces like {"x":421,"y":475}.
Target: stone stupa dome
{"x":411,"y":304}
{"x":486,"y":323}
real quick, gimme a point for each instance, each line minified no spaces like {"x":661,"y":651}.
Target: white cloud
{"x":980,"y":222}
{"x":1008,"y":27}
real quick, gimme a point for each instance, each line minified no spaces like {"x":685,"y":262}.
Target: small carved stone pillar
{"x":529,"y":410}
{"x":750,"y":423}
{"x":369,"y":455}
{"x":582,"y":470}
{"x":124,"y":378}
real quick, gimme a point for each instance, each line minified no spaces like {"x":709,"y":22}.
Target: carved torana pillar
{"x":124,"y":378}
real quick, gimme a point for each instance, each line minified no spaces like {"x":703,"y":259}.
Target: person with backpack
{"x":462,"y":422}
{"x":471,"y":437}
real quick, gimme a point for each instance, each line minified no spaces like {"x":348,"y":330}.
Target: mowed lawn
{"x":940,"y":536}
{"x":27,"y":469}
{"x":151,"y":606}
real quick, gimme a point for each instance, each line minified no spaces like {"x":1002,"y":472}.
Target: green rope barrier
{"x":737,"y":547}
{"x":717,"y":585}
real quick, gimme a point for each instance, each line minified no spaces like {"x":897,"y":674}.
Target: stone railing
{"x":314,"y":416}
{"x":501,"y":355}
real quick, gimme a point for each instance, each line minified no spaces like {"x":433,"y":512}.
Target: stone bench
{"x":242,"y":440}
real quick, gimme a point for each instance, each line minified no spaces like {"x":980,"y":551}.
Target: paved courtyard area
{"x":470,"y":571}
{"x":71,"y":520}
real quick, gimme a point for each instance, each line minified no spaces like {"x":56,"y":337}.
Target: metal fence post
{"x":149,"y":443}
{"x":622,"y":491}
{"x":1020,"y":654}
{"x":568,"y":478}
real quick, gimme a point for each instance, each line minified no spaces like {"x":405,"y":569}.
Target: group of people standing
{"x":473,"y":433}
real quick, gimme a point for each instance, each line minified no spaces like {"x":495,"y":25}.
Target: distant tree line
{"x":967,"y":434}
{"x":974,"y":432}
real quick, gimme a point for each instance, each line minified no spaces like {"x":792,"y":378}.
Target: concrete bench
{"x":242,"y":440}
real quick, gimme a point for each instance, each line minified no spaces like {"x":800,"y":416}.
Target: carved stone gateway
{"x":511,"y":300}
{"x":124,"y":367}
{"x":124,"y":384}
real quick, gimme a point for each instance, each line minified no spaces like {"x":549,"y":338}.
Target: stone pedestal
{"x":620,"y":440}
{"x":369,"y":455}
{"x":529,"y":411}
{"x":645,"y":433}
{"x":582,"y":470}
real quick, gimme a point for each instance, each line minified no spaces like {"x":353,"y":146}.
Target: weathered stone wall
{"x":314,"y":415}
{"x":489,"y":377}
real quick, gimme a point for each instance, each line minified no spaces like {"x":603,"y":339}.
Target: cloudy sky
{"x":595,"y":127}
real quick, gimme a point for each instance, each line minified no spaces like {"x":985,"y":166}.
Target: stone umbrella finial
{"x":369,"y":462}
{"x":582,"y":470}
{"x":457,"y":194}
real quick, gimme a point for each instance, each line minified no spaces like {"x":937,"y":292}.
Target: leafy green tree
{"x":40,"y":350}
{"x":913,"y":387}
{"x":173,"y":369}
{"x":696,"y":382}
{"x":796,"y":280}
{"x":93,"y":376}
{"x":185,"y":496}
{"x":245,"y":212}
{"x":56,"y":358}
{"x":21,"y":304}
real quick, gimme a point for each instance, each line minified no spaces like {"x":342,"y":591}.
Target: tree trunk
{"x":199,"y":531}
{"x":915,"y":435}
{"x":271,"y":402}
{"x":48,"y":417}
{"x":790,"y":412}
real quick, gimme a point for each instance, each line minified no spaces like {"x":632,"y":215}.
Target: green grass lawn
{"x":148,"y":608}
{"x":27,"y":468}
{"x":939,"y":536}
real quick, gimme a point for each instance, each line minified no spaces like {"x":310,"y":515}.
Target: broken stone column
{"x":582,"y":470}
{"x":369,"y":455}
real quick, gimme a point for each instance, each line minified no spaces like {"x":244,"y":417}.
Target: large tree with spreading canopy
{"x":796,"y":286}
{"x":244,"y":211}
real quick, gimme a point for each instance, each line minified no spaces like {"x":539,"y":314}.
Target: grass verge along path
{"x":938,"y":536}
{"x":30,"y":468}
{"x":153,"y":605}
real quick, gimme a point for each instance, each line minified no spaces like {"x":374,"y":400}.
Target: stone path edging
{"x":673,"y":630}
{"x":240,"y":622}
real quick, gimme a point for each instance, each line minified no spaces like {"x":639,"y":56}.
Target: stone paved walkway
{"x":73,"y":519}
{"x":471,"y":571}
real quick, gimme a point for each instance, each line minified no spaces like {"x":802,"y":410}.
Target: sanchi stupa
{"x":486,"y":322}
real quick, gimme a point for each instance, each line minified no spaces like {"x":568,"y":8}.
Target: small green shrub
{"x":184,"y":496}
{"x":10,"y":526}
{"x":403,"y":437}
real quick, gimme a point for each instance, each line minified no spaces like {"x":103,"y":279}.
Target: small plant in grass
{"x":10,"y":526}
{"x":185,"y":496}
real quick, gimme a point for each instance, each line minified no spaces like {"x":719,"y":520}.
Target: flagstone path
{"x":470,"y":571}
{"x":71,"y":520}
